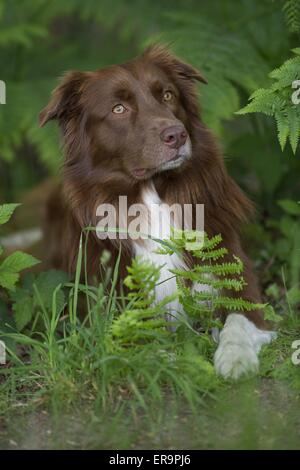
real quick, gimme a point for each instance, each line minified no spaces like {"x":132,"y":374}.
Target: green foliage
{"x":29,"y":33}
{"x":6,"y":211}
{"x":208,"y":294}
{"x":290,"y":207}
{"x":271,"y":316}
{"x":111,"y":348}
{"x":288,"y":245}
{"x":276,"y":362}
{"x":291,"y":9}
{"x":119,"y":361}
{"x":277,"y":101}
{"x":143,"y":319}
{"x":278,"y":256}
{"x":11,"y":267}
{"x":36,"y":293}
{"x":124,"y":344}
{"x":220,"y":55}
{"x":131,"y":331}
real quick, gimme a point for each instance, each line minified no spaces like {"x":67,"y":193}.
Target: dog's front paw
{"x":233,"y":360}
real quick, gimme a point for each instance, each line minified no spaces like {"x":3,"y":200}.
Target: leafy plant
{"x":210,"y":278}
{"x":291,"y":9}
{"x":219,"y":54}
{"x":36,"y":294}
{"x":276,"y":101}
{"x":138,"y":329}
{"x":11,"y":266}
{"x":143,"y":319}
{"x":122,"y":354}
{"x":286,"y":253}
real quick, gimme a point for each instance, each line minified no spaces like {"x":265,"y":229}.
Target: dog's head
{"x":135,"y":118}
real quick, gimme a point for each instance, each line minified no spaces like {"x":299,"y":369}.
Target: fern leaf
{"x":291,"y":9}
{"x":276,"y":101}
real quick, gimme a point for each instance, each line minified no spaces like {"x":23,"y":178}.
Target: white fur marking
{"x":146,"y":249}
{"x":240,"y":343}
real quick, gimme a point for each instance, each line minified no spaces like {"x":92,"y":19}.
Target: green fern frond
{"x":211,"y":255}
{"x":235,"y":284}
{"x":277,"y":101}
{"x":222,"y":269}
{"x":229,"y":303}
{"x":211,"y":243}
{"x":144,"y":320}
{"x":291,"y":9}
{"x":220,"y":55}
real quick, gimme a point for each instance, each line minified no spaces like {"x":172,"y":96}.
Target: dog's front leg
{"x":239,"y":345}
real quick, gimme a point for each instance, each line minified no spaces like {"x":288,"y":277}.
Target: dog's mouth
{"x":183,"y":154}
{"x":175,"y":162}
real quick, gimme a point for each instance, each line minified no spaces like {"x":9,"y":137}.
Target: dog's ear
{"x":188,"y":72}
{"x":183,"y":75}
{"x":65,"y":98}
{"x":160,"y":54}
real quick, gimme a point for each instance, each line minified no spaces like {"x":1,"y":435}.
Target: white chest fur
{"x":146,"y":249}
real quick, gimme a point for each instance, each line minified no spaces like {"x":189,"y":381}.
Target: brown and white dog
{"x":135,"y":129}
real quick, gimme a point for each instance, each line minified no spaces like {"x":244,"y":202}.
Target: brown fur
{"x":101,"y":152}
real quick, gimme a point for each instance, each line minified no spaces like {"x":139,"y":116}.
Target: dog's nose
{"x":174,"y":136}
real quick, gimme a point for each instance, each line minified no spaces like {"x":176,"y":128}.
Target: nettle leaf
{"x":26,"y":302}
{"x":8,"y":280}
{"x":11,"y":267}
{"x":23,"y":309}
{"x":6,"y":211}
{"x":18,"y":261}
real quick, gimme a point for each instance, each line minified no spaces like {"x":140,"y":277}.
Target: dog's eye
{"x":168,"y":95}
{"x":119,"y":109}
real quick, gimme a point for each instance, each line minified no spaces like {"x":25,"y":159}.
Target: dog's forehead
{"x":145,"y":71}
{"x":132,"y":76}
